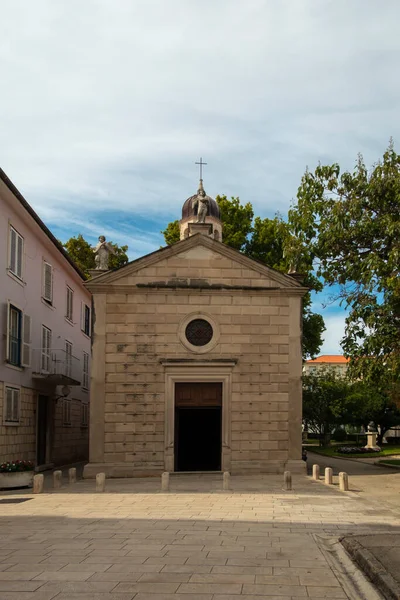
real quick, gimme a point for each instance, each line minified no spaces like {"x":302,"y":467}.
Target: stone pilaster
{"x":97,"y":390}
{"x":295,"y":463}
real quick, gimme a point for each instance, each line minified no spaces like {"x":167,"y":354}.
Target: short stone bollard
{"x":343,"y":481}
{"x":72,"y":475}
{"x":100,"y":482}
{"x":287,"y":480}
{"x":38,"y":483}
{"x":328,"y":476}
{"x":226,"y":481}
{"x":165,"y":482}
{"x":315,"y":472}
{"x":57,"y":480}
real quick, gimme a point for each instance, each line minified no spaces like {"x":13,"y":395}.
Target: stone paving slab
{"x":195,"y":542}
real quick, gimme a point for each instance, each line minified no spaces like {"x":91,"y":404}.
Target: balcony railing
{"x":56,"y":366}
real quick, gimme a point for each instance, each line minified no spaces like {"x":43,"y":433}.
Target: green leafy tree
{"x":325,"y":402}
{"x":350,"y":222}
{"x":266,"y":240}
{"x":171,"y":233}
{"x":82,"y":254}
{"x":269,"y":243}
{"x":120,"y":258}
{"x":373,"y":403}
{"x":237,"y":221}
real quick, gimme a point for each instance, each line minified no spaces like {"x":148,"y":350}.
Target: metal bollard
{"x":287,"y":480}
{"x":100,"y":482}
{"x":72,"y":475}
{"x":38,"y":483}
{"x":57,"y":480}
{"x":226,"y":481}
{"x":165,"y":482}
{"x":328,"y":476}
{"x":343,"y":481}
{"x":315,"y":472}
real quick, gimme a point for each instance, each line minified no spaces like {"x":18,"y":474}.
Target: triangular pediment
{"x":196,"y":259}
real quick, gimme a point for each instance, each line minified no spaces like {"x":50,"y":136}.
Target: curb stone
{"x":372,"y":568}
{"x":380,"y":464}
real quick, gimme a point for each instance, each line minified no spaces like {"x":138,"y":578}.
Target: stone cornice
{"x":107,"y":288}
{"x":196,"y":362}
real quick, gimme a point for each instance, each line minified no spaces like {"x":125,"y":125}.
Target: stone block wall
{"x":18,"y":442}
{"x":69,"y":443}
{"x":142,"y":329}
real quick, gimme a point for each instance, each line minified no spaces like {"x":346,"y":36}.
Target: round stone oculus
{"x":199,"y":332}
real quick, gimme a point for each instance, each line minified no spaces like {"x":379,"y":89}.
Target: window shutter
{"x":85,"y":382}
{"x":8,"y":332}
{"x":70,"y":301}
{"x":15,"y":405}
{"x":87,"y":320}
{"x":9,"y":404}
{"x":83,"y":316}
{"x":13,"y":250}
{"x":19,"y":256}
{"x":46,"y":346}
{"x":26,"y":341}
{"x":48,"y":282}
{"x":44,"y":353}
{"x":48,"y":341}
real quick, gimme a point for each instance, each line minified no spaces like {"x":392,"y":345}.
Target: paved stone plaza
{"x":194,"y":543}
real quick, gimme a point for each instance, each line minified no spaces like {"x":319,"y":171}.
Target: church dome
{"x":189,"y":211}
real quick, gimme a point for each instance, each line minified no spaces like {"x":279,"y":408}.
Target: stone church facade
{"x":196,"y":361}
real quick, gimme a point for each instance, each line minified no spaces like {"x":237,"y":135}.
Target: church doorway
{"x":198,"y":426}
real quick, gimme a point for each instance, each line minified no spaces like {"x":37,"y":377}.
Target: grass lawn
{"x":394,"y":462}
{"x":387,"y":450}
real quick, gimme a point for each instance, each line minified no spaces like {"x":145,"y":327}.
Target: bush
{"x":313,"y":436}
{"x":16,"y":466}
{"x":393,"y":441}
{"x":356,"y":450}
{"x":358,"y":438}
{"x":339,"y":435}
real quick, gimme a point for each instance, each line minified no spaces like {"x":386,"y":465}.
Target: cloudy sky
{"x":106,"y":104}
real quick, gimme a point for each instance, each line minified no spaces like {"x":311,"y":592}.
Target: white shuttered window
{"x":85,"y":374}
{"x":26,"y":341}
{"x":12,"y":397}
{"x":66,"y":411}
{"x":18,"y":344}
{"x":69,"y":313}
{"x":84,"y":415}
{"x":68,"y":356}
{"x":47,"y":282}
{"x":85,"y":319}
{"x":46,"y":349}
{"x":16,"y":251}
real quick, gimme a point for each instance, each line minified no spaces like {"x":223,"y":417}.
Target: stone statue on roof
{"x":201,"y":201}
{"x":102,"y":253}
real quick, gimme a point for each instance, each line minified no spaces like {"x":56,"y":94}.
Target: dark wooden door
{"x":198,"y":426}
{"x":198,"y":394}
{"x":41,"y":429}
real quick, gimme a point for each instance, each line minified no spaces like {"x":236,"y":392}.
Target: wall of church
{"x":135,"y":331}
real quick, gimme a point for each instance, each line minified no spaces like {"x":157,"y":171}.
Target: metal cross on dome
{"x":201,"y":163}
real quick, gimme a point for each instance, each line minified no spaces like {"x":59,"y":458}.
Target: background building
{"x":45,"y":321}
{"x":332,"y":361}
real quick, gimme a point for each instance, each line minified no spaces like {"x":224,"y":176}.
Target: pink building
{"x":45,"y":321}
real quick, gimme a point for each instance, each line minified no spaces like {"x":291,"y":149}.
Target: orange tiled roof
{"x":329,"y":358}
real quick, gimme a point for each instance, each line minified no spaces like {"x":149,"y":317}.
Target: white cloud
{"x":109,"y":103}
